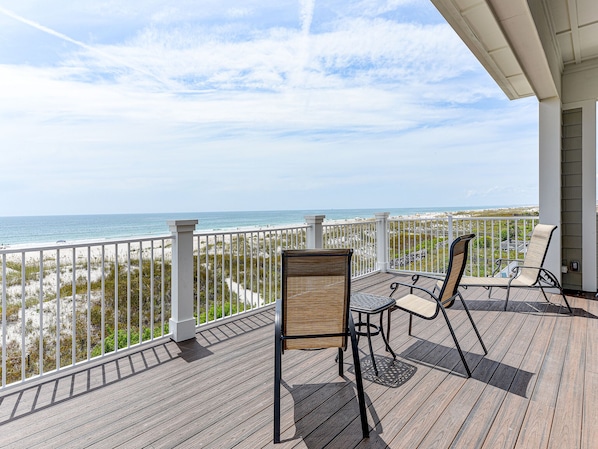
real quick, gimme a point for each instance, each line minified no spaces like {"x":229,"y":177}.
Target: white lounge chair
{"x":529,"y":274}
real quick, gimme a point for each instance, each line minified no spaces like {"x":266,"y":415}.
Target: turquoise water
{"x":50,"y":229}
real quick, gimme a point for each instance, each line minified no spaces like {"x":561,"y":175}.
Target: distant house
{"x":511,"y":245}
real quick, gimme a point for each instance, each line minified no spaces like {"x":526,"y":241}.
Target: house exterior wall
{"x":571,"y":197}
{"x":578,"y":195}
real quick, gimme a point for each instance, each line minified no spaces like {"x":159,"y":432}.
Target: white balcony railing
{"x":239,"y":271}
{"x":359,"y":235}
{"x":422,"y":244}
{"x":68,"y":304}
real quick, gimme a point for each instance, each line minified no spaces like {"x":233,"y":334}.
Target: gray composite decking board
{"x":566,"y":427}
{"x":535,"y":388}
{"x":493,"y":420}
{"x":428,"y":397}
{"x":146,"y":408}
{"x":443,"y":432}
{"x":590,"y":410}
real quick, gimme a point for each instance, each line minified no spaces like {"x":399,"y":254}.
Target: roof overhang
{"x":513,"y":40}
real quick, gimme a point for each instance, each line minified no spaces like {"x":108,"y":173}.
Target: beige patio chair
{"x":429,"y":305}
{"x":314,"y":313}
{"x":529,"y":274}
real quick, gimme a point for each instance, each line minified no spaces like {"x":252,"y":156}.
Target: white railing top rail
{"x":462,"y":217}
{"x":33,"y":247}
{"x":22,"y":248}
{"x":243,"y":230}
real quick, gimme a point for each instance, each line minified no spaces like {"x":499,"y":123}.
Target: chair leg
{"x":359,"y":323}
{"x":544,"y":293}
{"x":566,"y":302}
{"x":388,"y":348}
{"x":410,"y":322}
{"x":358,"y":380}
{"x":456,"y":342}
{"x":387,"y":323}
{"x":507,"y":298}
{"x":556,"y":283}
{"x":277,"y":372}
{"x":473,"y":324}
{"x":562,"y":294}
{"x":340,"y":362}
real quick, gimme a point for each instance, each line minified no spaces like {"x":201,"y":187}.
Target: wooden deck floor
{"x":536,"y":388}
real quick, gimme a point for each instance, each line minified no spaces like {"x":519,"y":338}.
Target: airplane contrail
{"x":307,"y":13}
{"x":64,"y":37}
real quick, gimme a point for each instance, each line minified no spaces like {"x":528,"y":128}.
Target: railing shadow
{"x":75,"y":383}
{"x":23,"y":400}
{"x":239,"y":325}
{"x":532,"y":307}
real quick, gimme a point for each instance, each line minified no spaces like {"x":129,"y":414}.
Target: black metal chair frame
{"x":279,"y":338}
{"x":545,"y":280}
{"x":448,"y":302}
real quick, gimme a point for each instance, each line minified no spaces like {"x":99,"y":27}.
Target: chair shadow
{"x":329,"y":414}
{"x":533,"y":307}
{"x":491,"y":372}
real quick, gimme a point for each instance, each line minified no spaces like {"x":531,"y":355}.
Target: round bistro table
{"x":368,"y":304}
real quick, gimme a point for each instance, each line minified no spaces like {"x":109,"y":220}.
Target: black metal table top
{"x":368,"y":303}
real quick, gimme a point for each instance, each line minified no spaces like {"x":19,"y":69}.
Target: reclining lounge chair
{"x":530,"y":274}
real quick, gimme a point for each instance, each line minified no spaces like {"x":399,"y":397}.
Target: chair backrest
{"x":536,"y":252}
{"x":457,"y":262}
{"x":316,"y":288}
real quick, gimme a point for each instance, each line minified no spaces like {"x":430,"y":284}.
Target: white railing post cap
{"x":182,"y":225}
{"x":314,"y":219}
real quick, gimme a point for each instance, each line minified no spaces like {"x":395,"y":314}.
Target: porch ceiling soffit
{"x":503,"y":35}
{"x":576,"y":29}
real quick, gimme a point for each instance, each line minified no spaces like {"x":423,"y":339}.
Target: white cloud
{"x":241,"y":107}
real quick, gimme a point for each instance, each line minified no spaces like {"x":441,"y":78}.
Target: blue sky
{"x":158,"y":106}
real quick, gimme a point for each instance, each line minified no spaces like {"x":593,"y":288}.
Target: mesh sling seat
{"x":427,"y":305}
{"x":313,"y":313}
{"x":530,"y":274}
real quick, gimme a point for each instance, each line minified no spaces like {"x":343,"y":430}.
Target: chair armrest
{"x":436,"y":277}
{"x":517,"y":269}
{"x":395,"y":286}
{"x":521,"y":267}
{"x":499,"y":262}
{"x":543,"y":274}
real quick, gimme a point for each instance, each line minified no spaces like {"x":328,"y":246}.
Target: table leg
{"x":370,"y":344}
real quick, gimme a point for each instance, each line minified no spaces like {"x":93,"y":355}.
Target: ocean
{"x":54,"y":228}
